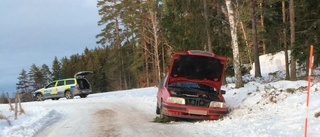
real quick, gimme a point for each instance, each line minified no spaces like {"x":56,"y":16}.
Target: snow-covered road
{"x":109,"y":116}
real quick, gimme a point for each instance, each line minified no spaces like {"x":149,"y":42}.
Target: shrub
{"x":165,"y":119}
{"x":290,"y":90}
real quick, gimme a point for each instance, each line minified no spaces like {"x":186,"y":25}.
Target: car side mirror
{"x":223,"y":92}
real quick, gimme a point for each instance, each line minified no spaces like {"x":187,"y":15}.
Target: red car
{"x":191,"y":89}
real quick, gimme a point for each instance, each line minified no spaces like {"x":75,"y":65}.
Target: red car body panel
{"x":183,"y":68}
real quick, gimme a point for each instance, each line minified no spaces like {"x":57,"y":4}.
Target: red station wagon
{"x":191,"y":89}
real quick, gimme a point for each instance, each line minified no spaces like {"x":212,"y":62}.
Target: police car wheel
{"x":39,"y":97}
{"x":68,"y":95}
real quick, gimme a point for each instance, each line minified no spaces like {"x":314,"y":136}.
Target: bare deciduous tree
{"x":235,"y":47}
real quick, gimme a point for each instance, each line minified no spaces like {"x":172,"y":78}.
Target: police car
{"x":67,"y":88}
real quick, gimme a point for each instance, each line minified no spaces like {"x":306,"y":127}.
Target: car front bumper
{"x":193,"y":112}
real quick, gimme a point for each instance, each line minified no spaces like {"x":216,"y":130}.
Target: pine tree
{"x":293,"y":75}
{"x":23,"y":83}
{"x":257,"y":71}
{"x":46,"y":73}
{"x":56,"y":69}
{"x":36,"y":77}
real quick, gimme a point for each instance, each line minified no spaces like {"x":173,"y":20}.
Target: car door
{"x":49,"y":89}
{"x":59,"y":89}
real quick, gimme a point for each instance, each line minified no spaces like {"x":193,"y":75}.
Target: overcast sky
{"x":35,"y":31}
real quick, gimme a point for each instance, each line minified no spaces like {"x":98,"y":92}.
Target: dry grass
{"x":20,"y":106}
{"x":5,"y":118}
{"x":317,"y":114}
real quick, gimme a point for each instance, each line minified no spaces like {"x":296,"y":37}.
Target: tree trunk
{"x":124,"y":74}
{"x":293,"y":75}
{"x":9,"y":100}
{"x":163,"y":61}
{"x":20,"y":106}
{"x":118,"y":49}
{"x":257,"y":71}
{"x":145,"y":52}
{"x":220,"y":27}
{"x":207,"y":25}
{"x":154,"y":21}
{"x":16,"y":107}
{"x":262,"y":26}
{"x":285,"y":39}
{"x":235,"y":48}
{"x":146,"y":63}
{"x":246,"y":41}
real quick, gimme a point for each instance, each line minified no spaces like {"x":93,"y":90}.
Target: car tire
{"x":157,"y":109}
{"x":68,"y":94}
{"x":83,"y":96}
{"x":39,"y":97}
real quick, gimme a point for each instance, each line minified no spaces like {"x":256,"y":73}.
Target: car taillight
{"x":77,"y":85}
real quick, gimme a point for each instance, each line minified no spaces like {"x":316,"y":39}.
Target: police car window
{"x":69,"y":82}
{"x":51,"y":85}
{"x":60,"y":83}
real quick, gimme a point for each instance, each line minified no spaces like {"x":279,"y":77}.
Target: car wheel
{"x":157,"y":109}
{"x":39,"y":97}
{"x":83,"y":96}
{"x":68,"y":95}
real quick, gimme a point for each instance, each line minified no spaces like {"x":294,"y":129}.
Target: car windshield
{"x":191,"y":85}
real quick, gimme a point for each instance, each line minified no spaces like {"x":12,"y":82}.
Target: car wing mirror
{"x":223,"y":92}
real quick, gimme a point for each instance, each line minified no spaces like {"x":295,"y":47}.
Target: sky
{"x":35,"y":31}
{"x":264,"y":107}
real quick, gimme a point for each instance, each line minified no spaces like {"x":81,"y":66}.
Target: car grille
{"x":197,"y":102}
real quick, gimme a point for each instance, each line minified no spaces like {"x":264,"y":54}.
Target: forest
{"x":134,"y":47}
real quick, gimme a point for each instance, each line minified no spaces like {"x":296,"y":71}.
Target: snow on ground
{"x":259,"y":109}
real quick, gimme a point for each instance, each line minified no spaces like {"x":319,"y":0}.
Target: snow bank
{"x":27,"y":125}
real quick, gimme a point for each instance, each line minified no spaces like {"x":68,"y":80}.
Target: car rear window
{"x":69,"y":82}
